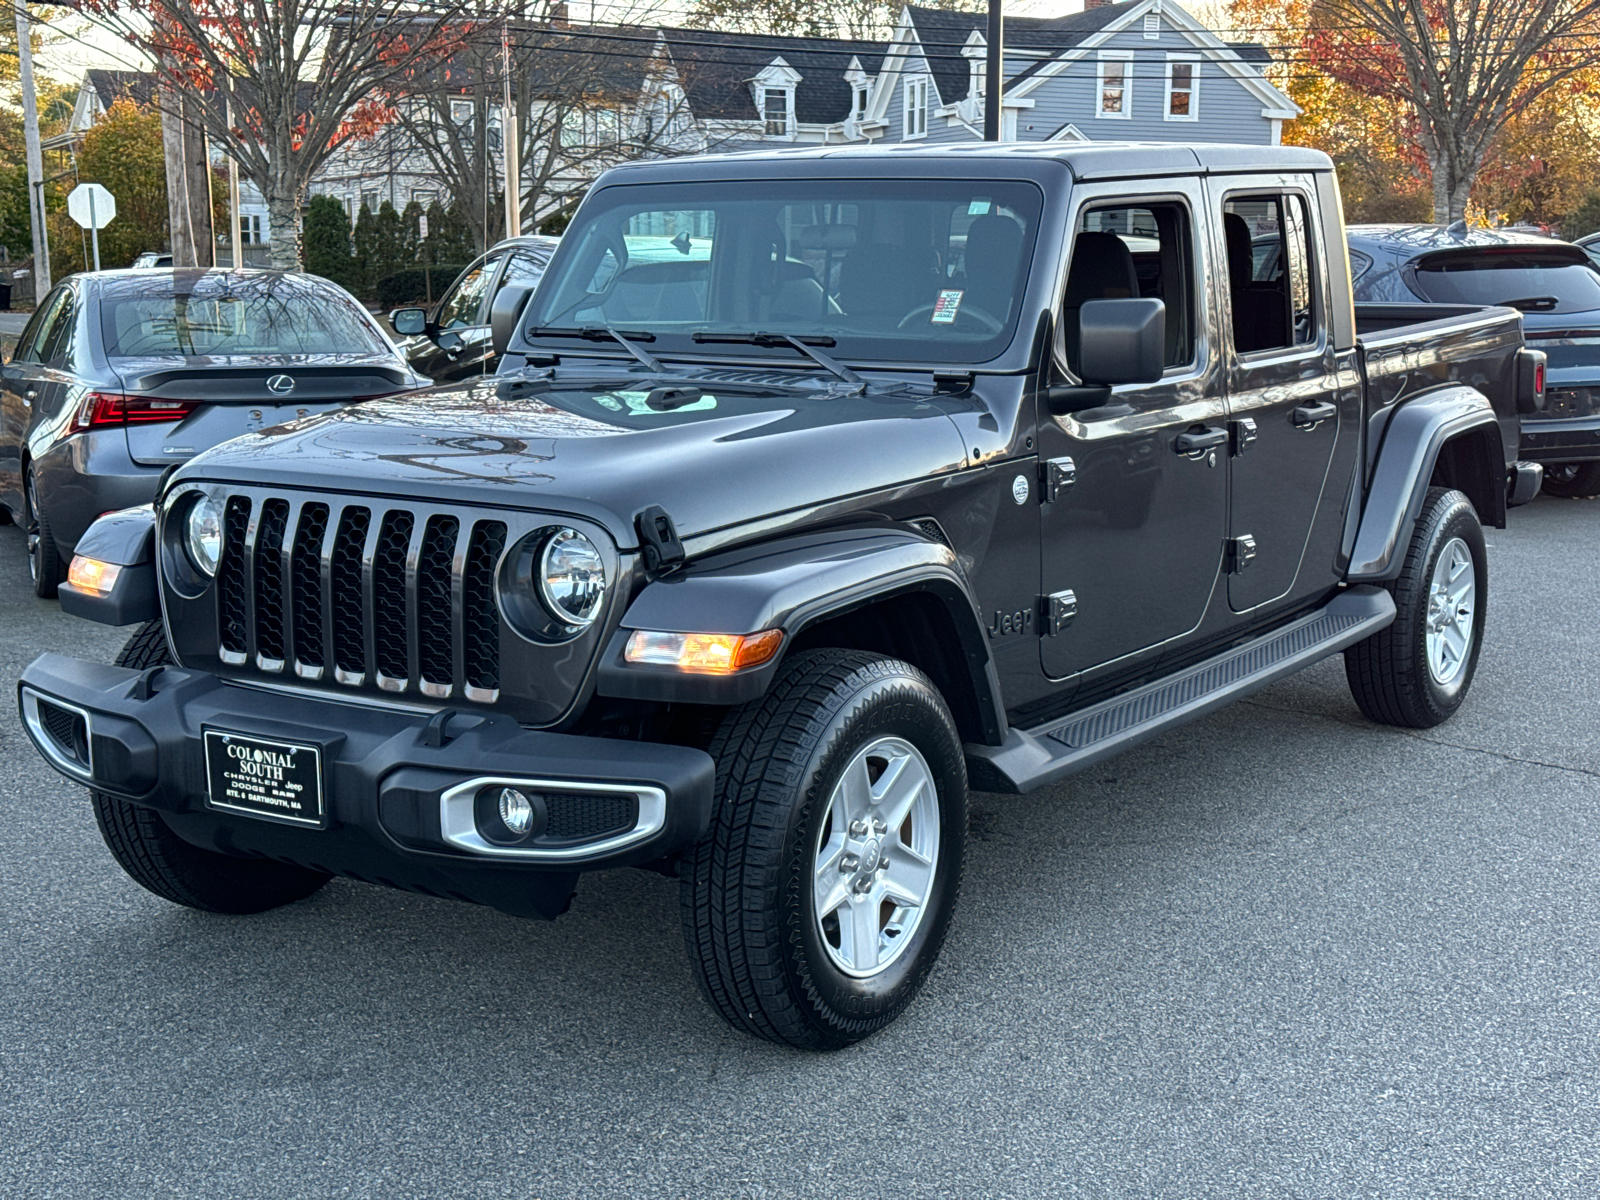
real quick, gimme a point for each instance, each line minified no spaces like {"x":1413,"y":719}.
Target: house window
{"x":461,"y":111}
{"x":1116,"y":90}
{"x":861,"y":105}
{"x":369,"y":200}
{"x":1183,"y":88}
{"x":916,"y":100}
{"x":775,"y":109}
{"x":250,"y":230}
{"x":423,"y":198}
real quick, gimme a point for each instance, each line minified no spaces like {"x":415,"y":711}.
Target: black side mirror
{"x":409,"y":322}
{"x":1122,"y":341}
{"x":508,"y":304}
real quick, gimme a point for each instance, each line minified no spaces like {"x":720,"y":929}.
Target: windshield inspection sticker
{"x":946,"y":307}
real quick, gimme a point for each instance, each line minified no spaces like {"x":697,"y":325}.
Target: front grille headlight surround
{"x":174,"y":551}
{"x":554,"y":582}
{"x":202,"y":535}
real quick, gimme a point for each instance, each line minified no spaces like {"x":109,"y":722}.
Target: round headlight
{"x":572,"y":578}
{"x":203,"y":535}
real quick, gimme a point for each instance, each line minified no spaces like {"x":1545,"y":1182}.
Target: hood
{"x":599,"y":450}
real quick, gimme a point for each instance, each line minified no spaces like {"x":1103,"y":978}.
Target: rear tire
{"x":1572,"y":480}
{"x":159,"y":861}
{"x":1418,"y":670}
{"x":813,"y":910}
{"x":44,"y":558}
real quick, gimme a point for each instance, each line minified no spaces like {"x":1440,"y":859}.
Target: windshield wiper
{"x":806,"y":346}
{"x":626,"y":338}
{"x":1532,"y":303}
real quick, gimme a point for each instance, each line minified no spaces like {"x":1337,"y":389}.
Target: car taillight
{"x":1538,"y":380}
{"x":104,"y":410}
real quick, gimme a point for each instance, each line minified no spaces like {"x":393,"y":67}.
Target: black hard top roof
{"x":1092,"y":160}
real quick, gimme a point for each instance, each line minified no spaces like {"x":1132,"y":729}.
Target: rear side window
{"x":1270,"y":271}
{"x":36,"y":337}
{"x":1532,"y":281}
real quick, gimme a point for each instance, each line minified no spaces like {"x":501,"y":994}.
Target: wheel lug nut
{"x":878,"y":826}
{"x":848,"y":863}
{"x":863,"y":885}
{"x":858,"y":829}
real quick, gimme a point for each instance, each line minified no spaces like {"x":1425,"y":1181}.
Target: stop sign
{"x":91,"y":206}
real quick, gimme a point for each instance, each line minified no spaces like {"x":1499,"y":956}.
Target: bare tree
{"x":585,"y":98}
{"x":278,"y":84}
{"x":1464,"y":66}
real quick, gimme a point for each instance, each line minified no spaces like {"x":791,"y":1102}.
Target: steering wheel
{"x":983,"y":317}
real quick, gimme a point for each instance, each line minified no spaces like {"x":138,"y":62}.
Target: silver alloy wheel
{"x":1452,"y":602}
{"x":32,"y":526}
{"x":876,"y":855}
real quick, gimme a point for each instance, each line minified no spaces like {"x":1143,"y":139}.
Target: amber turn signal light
{"x":704,"y":653}
{"x":92,"y":575}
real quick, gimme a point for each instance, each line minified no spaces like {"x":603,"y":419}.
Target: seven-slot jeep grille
{"x":361,"y":593}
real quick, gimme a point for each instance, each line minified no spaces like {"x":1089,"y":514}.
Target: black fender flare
{"x":792,"y":584}
{"x":126,"y":539}
{"x":1411,"y":442}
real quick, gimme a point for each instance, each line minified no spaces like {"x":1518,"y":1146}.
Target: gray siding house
{"x":1142,"y":70}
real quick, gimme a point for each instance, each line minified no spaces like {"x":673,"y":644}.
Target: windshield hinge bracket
{"x":658,"y":539}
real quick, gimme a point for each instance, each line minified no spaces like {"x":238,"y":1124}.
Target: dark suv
{"x":813,"y":488}
{"x":1552,"y":283}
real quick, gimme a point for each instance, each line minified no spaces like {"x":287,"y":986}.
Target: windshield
{"x":216,"y":315}
{"x":926,"y":270}
{"x":1529,"y":281}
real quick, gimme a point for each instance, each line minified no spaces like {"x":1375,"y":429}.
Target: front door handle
{"x":1200,"y":439}
{"x":1308,"y":416}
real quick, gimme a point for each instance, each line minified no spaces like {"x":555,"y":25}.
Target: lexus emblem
{"x":280,"y":385}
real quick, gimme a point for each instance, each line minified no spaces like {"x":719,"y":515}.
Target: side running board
{"x":1036,"y":758}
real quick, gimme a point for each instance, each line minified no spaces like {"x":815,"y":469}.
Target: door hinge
{"x":658,"y":538}
{"x":1058,"y":610}
{"x":1244,"y":435}
{"x":1056,"y":476}
{"x":1241,"y":553}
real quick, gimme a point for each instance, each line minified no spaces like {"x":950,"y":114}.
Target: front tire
{"x":1418,"y":670}
{"x":44,"y":557}
{"x":818,"y":902}
{"x":1572,"y":481}
{"x":159,"y":861}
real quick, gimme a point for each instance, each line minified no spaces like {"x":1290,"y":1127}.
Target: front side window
{"x":776,"y":111}
{"x":881,"y":269}
{"x":222,"y":315}
{"x":1183,"y":89}
{"x":916,"y":97}
{"x":1116,"y":92}
{"x":1129,"y":251}
{"x":463,"y":307}
{"x":1270,"y":271}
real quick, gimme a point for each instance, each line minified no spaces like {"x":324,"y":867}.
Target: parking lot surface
{"x":1280,"y":952}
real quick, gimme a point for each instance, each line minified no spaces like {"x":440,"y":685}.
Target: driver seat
{"x":1102,"y":269}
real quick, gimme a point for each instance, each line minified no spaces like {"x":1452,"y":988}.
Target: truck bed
{"x":1407,"y":349}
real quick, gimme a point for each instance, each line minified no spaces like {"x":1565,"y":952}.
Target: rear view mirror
{"x":409,"y":322}
{"x":508,"y":304}
{"x":1122,"y":341}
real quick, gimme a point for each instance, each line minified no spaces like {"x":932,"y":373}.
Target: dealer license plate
{"x":264,"y":778}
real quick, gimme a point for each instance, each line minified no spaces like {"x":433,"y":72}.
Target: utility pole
{"x":510,"y":139}
{"x":994,"y":76}
{"x":30,"y":129}
{"x":233,"y":200}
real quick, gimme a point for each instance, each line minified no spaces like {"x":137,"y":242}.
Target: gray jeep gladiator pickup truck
{"x":814,"y":488}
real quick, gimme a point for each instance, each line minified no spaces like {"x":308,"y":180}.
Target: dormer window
{"x":775,"y":109}
{"x":916,"y":106}
{"x":860,"y":110}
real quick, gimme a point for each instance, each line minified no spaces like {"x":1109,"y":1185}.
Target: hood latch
{"x":658,"y":538}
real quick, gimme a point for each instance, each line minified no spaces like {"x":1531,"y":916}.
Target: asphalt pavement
{"x":1280,"y":953}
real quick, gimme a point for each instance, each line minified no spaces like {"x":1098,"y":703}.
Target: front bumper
{"x":1563,"y":439}
{"x":391,"y":780}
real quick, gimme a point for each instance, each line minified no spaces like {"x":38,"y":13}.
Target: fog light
{"x":703,"y":653}
{"x":516,"y":811}
{"x":92,"y":575}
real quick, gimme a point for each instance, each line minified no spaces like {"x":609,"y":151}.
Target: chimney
{"x":1088,"y":4}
